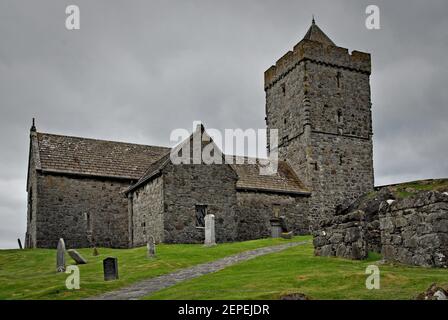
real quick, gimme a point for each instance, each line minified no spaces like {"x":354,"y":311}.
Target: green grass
{"x":30,"y":273}
{"x":298,"y":270}
{"x":408,"y":189}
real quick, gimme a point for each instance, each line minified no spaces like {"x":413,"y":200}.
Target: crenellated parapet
{"x":320,"y":53}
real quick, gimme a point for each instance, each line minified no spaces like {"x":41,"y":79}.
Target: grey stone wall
{"x":30,"y":236}
{"x":319,"y":99}
{"x":83,"y":211}
{"x":186,"y":186}
{"x":415,"y":230}
{"x":148,"y":212}
{"x":342,"y":235}
{"x":31,"y":188}
{"x":257,"y":208}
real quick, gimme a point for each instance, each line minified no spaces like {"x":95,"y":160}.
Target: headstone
{"x":110,"y":266}
{"x":75,"y":255}
{"x":60,"y":256}
{"x":95,"y":252}
{"x":20,"y":244}
{"x":276,"y":228}
{"x":210,"y":230}
{"x":151,"y":247}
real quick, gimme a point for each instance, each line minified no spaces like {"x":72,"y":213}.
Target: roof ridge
{"x":101,"y":140}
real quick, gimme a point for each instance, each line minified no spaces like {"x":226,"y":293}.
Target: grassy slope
{"x":30,"y":274}
{"x":298,"y":270}
{"x":407,"y":189}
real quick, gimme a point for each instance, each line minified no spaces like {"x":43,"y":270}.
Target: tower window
{"x":341,"y":159}
{"x":283,"y":88}
{"x":340,"y":118}
{"x":201,"y":212}
{"x":338,"y":79}
{"x":88,"y":222}
{"x":315,"y":166}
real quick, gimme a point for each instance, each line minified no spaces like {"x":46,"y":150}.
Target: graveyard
{"x":31,"y":273}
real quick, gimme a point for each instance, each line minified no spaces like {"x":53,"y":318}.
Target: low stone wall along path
{"x":146,"y":287}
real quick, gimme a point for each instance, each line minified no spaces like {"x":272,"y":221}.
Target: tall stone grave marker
{"x":110,"y":266}
{"x":151,"y":247}
{"x":60,"y":256}
{"x":210,"y":230}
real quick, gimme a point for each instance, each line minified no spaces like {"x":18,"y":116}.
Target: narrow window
{"x":340,"y":118}
{"x":283,"y":88}
{"x":341,"y":159}
{"x":315,"y":166}
{"x":338,"y":79}
{"x":143,"y":224}
{"x":88,"y":222}
{"x":201,"y":212}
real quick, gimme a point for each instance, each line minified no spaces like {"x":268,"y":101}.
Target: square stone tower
{"x":318,"y":97}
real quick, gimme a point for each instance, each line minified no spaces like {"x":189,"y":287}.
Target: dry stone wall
{"x":342,"y":236}
{"x":415,"y":230}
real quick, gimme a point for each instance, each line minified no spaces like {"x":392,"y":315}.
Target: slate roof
{"x":249,"y":179}
{"x":284,"y":180}
{"x":314,"y":33}
{"x":74,"y":155}
{"x":101,"y":158}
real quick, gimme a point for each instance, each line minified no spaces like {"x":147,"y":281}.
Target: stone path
{"x":146,"y":287}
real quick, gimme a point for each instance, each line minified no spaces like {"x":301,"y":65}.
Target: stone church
{"x":102,"y":193}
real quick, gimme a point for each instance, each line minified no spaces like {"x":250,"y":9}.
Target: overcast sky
{"x":138,"y":69}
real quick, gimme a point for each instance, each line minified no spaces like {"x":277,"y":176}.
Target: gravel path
{"x":146,"y":287}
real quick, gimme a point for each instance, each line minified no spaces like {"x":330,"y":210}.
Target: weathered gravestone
{"x":75,"y":255}
{"x":20,"y":244}
{"x":110,"y":266}
{"x":60,"y":256}
{"x":210,"y":230}
{"x":151,"y":247}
